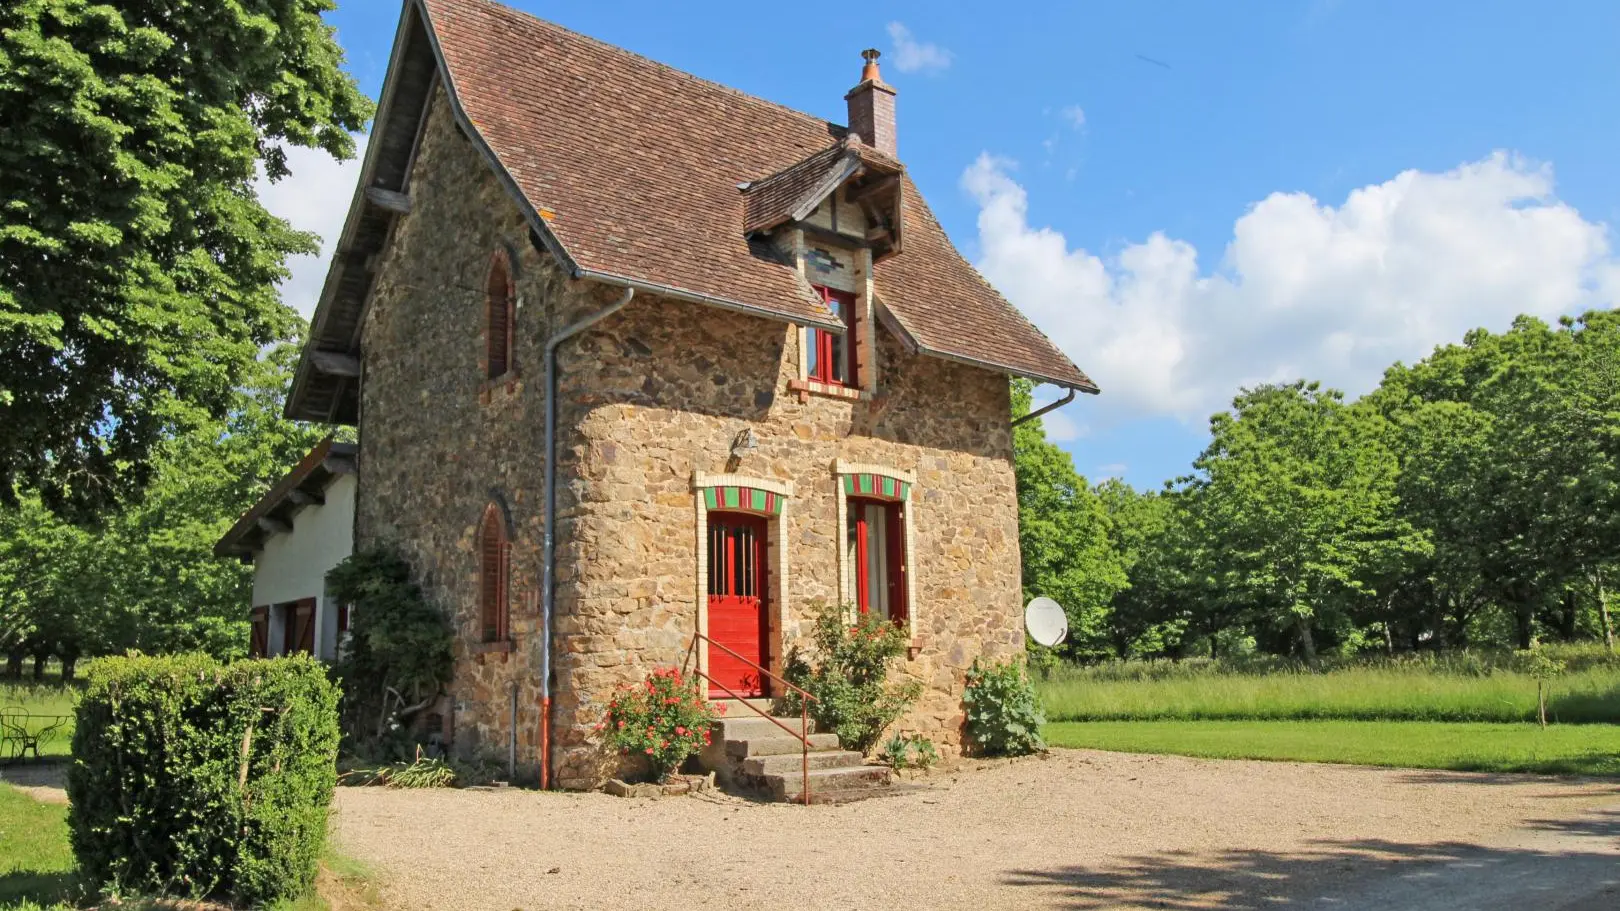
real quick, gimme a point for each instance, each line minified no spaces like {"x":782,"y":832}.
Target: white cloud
{"x":1075,"y":115}
{"x":1111,"y":470}
{"x":913,"y":56}
{"x":1334,"y":293}
{"x":314,"y":198}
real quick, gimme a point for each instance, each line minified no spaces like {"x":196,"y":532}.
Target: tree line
{"x":1471,"y":500}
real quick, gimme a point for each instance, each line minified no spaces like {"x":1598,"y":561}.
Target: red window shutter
{"x":498,"y":303}
{"x":306,"y":626}
{"x":494,"y":560}
{"x":259,"y":633}
{"x":896,"y":529}
{"x":834,"y":359}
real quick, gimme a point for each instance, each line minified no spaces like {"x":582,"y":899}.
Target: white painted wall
{"x":293,"y":566}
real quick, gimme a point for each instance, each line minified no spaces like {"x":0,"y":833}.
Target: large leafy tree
{"x":1296,"y":495}
{"x":137,"y":267}
{"x":1063,"y":534}
{"x":146,"y":577}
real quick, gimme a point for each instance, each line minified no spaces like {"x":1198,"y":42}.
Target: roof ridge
{"x":626,"y":52}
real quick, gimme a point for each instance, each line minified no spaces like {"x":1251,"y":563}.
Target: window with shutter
{"x":830,"y":356}
{"x":494,"y":556}
{"x":499,"y":317}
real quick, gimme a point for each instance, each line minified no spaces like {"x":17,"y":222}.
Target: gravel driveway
{"x":1075,"y":829}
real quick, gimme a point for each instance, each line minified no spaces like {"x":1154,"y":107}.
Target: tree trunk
{"x":1524,"y":624}
{"x":68,"y":664}
{"x":1541,"y":701}
{"x":39,"y":666}
{"x":14,"y":662}
{"x":1603,"y":607}
{"x":1568,"y":617}
{"x":1307,"y":643}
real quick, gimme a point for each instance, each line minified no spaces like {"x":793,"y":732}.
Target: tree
{"x":137,"y":266}
{"x":1296,"y":494}
{"x":146,"y":577}
{"x":1063,"y":534}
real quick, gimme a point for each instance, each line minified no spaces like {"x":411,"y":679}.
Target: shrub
{"x":398,"y":658}
{"x":203,"y":780}
{"x":850,"y":679}
{"x":665,"y":718}
{"x":1003,"y":716}
{"x":912,"y":751}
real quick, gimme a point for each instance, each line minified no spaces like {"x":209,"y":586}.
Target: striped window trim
{"x":876,"y":486}
{"x":743,"y":499}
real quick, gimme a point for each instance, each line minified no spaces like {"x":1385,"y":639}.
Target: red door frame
{"x":739,"y":594}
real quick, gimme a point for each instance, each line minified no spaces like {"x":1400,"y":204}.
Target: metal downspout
{"x":548,"y":551}
{"x":1052,"y":407}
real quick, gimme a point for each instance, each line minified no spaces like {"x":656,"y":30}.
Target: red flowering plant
{"x":664,"y":718}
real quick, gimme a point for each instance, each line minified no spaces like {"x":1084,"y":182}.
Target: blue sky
{"x":1190,"y":196}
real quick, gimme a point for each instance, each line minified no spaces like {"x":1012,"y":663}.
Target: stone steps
{"x":830,"y":785}
{"x":793,"y":763}
{"x":753,"y":755}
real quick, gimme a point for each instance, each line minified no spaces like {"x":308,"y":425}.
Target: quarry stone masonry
{"x":652,"y":402}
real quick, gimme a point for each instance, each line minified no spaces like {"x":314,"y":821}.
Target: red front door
{"x":737,"y":587}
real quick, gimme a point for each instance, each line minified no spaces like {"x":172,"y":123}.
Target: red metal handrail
{"x":802,"y":735}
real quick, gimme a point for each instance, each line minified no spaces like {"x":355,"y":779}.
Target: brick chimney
{"x":871,"y":107}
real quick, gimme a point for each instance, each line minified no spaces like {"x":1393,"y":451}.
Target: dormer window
{"x":830,"y":355}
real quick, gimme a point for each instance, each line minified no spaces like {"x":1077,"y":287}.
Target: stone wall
{"x":650,"y":397}
{"x":661,"y":391}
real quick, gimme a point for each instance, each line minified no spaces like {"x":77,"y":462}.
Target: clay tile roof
{"x":774,"y":200}
{"x":635,"y":168}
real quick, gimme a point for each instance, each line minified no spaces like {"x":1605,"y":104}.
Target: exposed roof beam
{"x":389,"y":200}
{"x":335,"y":363}
{"x":305,"y":498}
{"x":873,"y":188}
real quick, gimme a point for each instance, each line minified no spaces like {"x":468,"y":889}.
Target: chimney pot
{"x":871,"y":107}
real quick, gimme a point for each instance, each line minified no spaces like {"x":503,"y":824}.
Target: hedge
{"x":196,"y":779}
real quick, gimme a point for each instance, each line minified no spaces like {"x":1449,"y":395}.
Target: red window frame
{"x":894,"y":564}
{"x":832,"y":355}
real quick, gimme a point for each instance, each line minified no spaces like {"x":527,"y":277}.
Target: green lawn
{"x":44,"y":699}
{"x":1592,"y":749}
{"x":36,"y":864}
{"x":1394,"y":693}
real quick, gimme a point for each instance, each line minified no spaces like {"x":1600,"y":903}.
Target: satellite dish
{"x":1046,"y":622}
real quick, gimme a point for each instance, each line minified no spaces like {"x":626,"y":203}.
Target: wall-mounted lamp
{"x":744,"y":443}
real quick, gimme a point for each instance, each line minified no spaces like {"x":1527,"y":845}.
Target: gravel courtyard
{"x":1075,"y":829}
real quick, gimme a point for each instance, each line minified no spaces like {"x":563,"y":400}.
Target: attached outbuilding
{"x":298,"y":531}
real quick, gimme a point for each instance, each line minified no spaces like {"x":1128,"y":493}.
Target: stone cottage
{"x":635,"y":357}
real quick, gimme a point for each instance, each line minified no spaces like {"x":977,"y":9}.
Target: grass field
{"x":47,"y":698}
{"x":1557,"y":750}
{"x":1461,"y":690}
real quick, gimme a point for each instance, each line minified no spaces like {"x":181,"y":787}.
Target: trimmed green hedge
{"x":203,"y":780}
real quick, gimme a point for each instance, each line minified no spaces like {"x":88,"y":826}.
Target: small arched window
{"x":499,"y":315}
{"x":494,"y":568}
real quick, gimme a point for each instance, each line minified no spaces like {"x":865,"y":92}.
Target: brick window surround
{"x":756,"y":496}
{"x":860,"y":481}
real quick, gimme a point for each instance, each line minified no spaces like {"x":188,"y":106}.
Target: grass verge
{"x":1556,"y":750}
{"x":1390,"y":693}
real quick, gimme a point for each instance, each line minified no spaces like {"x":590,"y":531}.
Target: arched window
{"x":499,"y":314}
{"x":494,"y":566}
